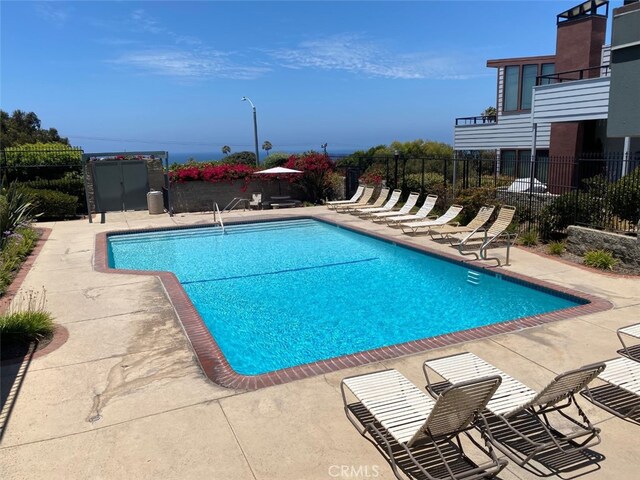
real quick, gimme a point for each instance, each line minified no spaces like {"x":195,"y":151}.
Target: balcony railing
{"x":482,"y":119}
{"x":573,"y":75}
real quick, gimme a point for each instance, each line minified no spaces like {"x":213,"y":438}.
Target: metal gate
{"x":351,"y":181}
{"x":120,"y":185}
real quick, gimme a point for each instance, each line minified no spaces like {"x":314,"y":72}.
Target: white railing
{"x":217,"y":216}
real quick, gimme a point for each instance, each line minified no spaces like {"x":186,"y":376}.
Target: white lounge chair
{"x":448,"y":216}
{"x":416,"y":433}
{"x":519,"y":423}
{"x":354,"y":199}
{"x":382,"y":196}
{"x":622,"y":394}
{"x":632,"y":331}
{"x":362,"y":201}
{"x":482,"y":217}
{"x":495,"y":232}
{"x":406,"y":208}
{"x":391,"y":202}
{"x":421,"y":214}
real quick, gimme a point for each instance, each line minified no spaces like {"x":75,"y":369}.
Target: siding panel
{"x":511,"y":131}
{"x":570,"y":102}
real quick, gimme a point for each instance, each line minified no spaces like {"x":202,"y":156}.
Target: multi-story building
{"x":558,"y":106}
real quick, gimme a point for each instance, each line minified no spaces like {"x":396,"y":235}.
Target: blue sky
{"x":170,"y":75}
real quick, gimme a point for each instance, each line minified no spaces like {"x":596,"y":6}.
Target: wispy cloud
{"x":52,"y":13}
{"x":188,"y":64}
{"x":358,"y":55}
{"x":144,"y":22}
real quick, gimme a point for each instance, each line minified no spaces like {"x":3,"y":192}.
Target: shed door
{"x":120,"y":185}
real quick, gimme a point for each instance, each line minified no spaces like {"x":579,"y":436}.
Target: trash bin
{"x":155,"y":202}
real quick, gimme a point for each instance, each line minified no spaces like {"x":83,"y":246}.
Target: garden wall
{"x":623,"y":247}
{"x":197,"y":196}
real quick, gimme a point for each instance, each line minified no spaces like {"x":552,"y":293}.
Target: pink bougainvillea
{"x":212,"y":173}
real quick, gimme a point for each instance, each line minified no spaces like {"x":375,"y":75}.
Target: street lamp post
{"x":255,"y":128}
{"x":324,"y":147}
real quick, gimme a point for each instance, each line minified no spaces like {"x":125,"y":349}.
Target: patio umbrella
{"x":277,"y":171}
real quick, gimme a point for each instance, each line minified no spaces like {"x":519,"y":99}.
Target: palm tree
{"x":267,"y":146}
{"x":226,"y":149}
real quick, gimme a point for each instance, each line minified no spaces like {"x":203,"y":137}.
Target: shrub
{"x":16,"y":210}
{"x":43,"y":154}
{"x":529,"y":239}
{"x":275,"y":159}
{"x":241,"y":158}
{"x":15,"y":248}
{"x":373,"y":175}
{"x":570,"y":209}
{"x":210,"y":172}
{"x":473,"y":199}
{"x":624,"y":197}
{"x":26,"y":322}
{"x":556,"y":248}
{"x":601,"y":259}
{"x":69,"y":185}
{"x":52,"y":205}
{"x":314,"y":184}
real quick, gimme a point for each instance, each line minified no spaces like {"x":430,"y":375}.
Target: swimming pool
{"x":275,"y":295}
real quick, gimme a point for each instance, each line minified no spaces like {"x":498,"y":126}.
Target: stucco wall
{"x":200,"y":196}
{"x":625,"y":248}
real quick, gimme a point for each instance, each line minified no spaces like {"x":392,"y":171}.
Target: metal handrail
{"x":235,"y":202}
{"x":481,"y":119}
{"x":570,"y":75}
{"x":215,"y":220}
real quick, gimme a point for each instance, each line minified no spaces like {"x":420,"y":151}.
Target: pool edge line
{"x":217,"y":368}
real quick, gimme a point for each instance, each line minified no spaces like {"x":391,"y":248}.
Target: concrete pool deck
{"x":125,"y":398}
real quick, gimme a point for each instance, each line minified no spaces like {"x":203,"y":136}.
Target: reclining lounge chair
{"x":448,"y":216}
{"x":482,"y":217}
{"x":332,"y":205}
{"x":518,"y":420}
{"x":382,"y":197}
{"x":361,"y":202}
{"x":420,"y":436}
{"x":406,"y":208}
{"x":495,"y":232}
{"x":391,"y":202}
{"x":421,"y":214}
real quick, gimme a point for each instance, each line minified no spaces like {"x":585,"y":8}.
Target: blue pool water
{"x":285,"y":293}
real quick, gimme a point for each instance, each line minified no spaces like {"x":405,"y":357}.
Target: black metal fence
{"x":595,"y":190}
{"x":45,"y":171}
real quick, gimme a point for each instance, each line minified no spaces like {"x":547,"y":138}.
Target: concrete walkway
{"x":124,"y":397}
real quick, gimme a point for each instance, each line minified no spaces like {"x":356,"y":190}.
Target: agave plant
{"x":16,"y":210}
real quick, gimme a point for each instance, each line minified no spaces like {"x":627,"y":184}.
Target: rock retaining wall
{"x":625,"y":248}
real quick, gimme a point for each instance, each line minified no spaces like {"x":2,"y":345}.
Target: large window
{"x":511,"y":81}
{"x":529,"y":74}
{"x":519,"y":81}
{"x":517,"y":164}
{"x":547,"y":69}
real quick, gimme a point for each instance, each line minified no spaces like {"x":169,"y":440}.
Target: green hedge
{"x":15,"y":250}
{"x":70,"y":186}
{"x":53,"y":205}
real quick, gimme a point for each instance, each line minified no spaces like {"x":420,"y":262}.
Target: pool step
{"x":473,"y":277}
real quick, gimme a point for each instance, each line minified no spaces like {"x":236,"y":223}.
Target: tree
{"x":267,"y":146}
{"x":489,"y":112}
{"x":246,"y":158}
{"x":226,"y":149}
{"x":24,"y":128}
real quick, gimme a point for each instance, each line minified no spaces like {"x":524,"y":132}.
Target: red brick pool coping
{"x":217,"y":368}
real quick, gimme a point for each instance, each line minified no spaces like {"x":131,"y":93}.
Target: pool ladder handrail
{"x":216,"y":209}
{"x":235,"y":202}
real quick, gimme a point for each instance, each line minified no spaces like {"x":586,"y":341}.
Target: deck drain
{"x":95,"y":418}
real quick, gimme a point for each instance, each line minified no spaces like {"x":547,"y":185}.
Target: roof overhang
{"x":503,"y":62}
